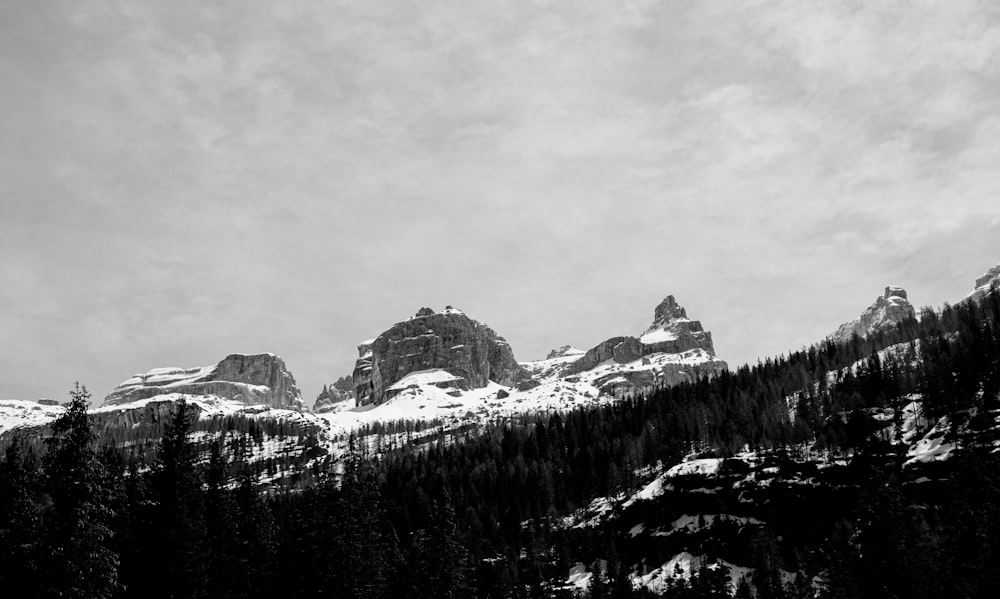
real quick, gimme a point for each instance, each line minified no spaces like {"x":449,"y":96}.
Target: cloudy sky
{"x":181,"y":180}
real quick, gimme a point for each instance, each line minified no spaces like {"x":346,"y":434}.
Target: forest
{"x":82,"y":515}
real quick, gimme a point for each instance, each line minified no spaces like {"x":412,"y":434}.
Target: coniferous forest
{"x":486,"y":514}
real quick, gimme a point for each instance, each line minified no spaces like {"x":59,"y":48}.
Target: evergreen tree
{"x":79,"y":560}
{"x":20,"y":520}
{"x":179,"y":514}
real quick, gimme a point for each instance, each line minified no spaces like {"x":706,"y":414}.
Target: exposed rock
{"x":886,"y":312}
{"x":449,"y":341}
{"x":563,"y":352}
{"x":502,"y":394}
{"x":147,"y":413}
{"x":334,"y":395}
{"x":985,"y":283}
{"x":643,"y":364}
{"x":671,"y":333}
{"x":250,"y":379}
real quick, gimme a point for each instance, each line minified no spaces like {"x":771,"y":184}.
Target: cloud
{"x":183,"y":180}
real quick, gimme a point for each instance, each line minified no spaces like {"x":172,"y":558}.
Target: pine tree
{"x":20,"y":520}
{"x":179,"y":514}
{"x":77,"y":536}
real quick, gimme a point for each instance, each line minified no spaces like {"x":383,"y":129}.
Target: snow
{"x":932,"y":447}
{"x":679,"y":566}
{"x":706,"y":466}
{"x":682,"y":565}
{"x":579,"y":577}
{"x":19,"y":414}
{"x":658,"y":335}
{"x":649,"y":492}
{"x":168,"y":377}
{"x":694,"y":523}
{"x":424,"y":377}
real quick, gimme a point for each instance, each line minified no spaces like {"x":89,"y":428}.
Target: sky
{"x":181,"y":180}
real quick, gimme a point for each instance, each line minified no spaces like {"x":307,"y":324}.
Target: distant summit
{"x":984,"y":283}
{"x":250,"y":379}
{"x":674,"y":349}
{"x":887,"y":311}
{"x":471,"y":353}
{"x":335,"y":395}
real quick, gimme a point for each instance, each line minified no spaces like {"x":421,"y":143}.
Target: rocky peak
{"x":668,"y":311}
{"x":334,"y":394}
{"x":251,"y":379}
{"x":984,"y":283}
{"x":451,"y":341}
{"x":888,"y":310}
{"x":671,"y":333}
{"x":562,"y":352}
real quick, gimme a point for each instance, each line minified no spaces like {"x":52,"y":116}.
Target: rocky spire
{"x":888,"y":310}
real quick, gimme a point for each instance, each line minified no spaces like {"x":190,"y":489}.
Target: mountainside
{"x":471,"y":352}
{"x":857,"y":468}
{"x":985,"y":283}
{"x":335,"y":395}
{"x":248,"y":379}
{"x":673,"y":350}
{"x":888,"y":310}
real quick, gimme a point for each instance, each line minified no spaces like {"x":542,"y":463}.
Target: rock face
{"x":985,"y":283}
{"x":447,"y":340}
{"x":674,"y":349}
{"x":251,"y":379}
{"x":334,"y":395}
{"x":887,"y":311}
{"x":671,"y":333}
{"x":563,"y":352}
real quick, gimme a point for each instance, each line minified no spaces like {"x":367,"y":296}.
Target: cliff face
{"x":334,"y":395}
{"x":250,"y":379}
{"x":671,"y":332}
{"x":451,"y":341}
{"x":887,"y":311}
{"x":984,"y":284}
{"x":674,"y":349}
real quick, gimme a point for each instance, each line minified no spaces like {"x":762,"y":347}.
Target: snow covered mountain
{"x":445,"y":366}
{"x":984,"y":283}
{"x":248,"y":379}
{"x":471,"y":352}
{"x":888,"y":310}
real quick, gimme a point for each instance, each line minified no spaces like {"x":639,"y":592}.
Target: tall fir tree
{"x":79,"y":559}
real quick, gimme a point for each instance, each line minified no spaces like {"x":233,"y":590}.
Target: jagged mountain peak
{"x":668,"y":311}
{"x":888,"y":310}
{"x":984,"y":283}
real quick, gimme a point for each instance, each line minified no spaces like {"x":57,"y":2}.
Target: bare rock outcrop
{"x":888,"y":310}
{"x":334,"y":395}
{"x":985,"y":284}
{"x":250,"y":379}
{"x":447,"y":340}
{"x":671,"y":332}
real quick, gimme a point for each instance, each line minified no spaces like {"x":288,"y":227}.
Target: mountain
{"x":985,"y":283}
{"x":248,"y":379}
{"x":888,"y":310}
{"x":335,"y":396}
{"x":859,"y":469}
{"x":464,"y":352}
{"x":672,"y":350}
